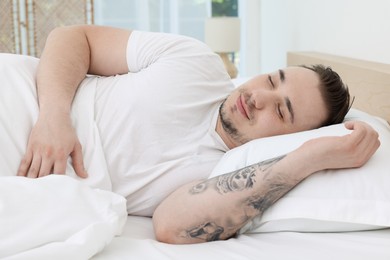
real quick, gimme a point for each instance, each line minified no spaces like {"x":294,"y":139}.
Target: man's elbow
{"x":164,"y":232}
{"x":171,"y":228}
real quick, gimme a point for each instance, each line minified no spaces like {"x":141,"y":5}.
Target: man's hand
{"x":348,"y":151}
{"x":52,"y":140}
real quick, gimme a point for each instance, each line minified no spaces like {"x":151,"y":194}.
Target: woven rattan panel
{"x":7,"y":35}
{"x":45,"y":15}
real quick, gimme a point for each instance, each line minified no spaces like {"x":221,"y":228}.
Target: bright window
{"x":182,"y":17}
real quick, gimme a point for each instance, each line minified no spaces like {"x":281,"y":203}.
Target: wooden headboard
{"x":368,"y":82}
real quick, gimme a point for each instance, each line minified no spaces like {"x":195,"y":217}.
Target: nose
{"x":262,"y":98}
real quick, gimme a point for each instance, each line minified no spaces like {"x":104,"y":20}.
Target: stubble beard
{"x":228,"y":125}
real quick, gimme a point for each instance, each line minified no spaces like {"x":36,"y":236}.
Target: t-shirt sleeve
{"x":147,"y":48}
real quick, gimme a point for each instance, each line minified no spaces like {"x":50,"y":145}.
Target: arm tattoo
{"x":207,"y":232}
{"x":243,"y":178}
{"x":274,"y":184}
{"x":199,"y":188}
{"x":277,"y":187}
{"x":236,"y":181}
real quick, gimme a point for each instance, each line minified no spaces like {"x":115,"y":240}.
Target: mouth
{"x":241,"y":106}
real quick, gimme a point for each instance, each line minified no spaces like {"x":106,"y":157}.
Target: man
{"x":162,"y":125}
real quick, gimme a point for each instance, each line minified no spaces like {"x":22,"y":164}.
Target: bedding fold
{"x":54,"y":217}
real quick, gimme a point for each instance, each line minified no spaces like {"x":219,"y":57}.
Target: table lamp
{"x":222,"y":35}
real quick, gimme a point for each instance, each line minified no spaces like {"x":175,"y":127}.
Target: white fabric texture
{"x":55,"y":217}
{"x":327,"y":201}
{"x":157,"y":123}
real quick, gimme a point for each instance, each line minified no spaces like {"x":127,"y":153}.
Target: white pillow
{"x":330,"y":200}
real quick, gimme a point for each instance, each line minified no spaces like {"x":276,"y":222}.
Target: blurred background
{"x":267,"y":29}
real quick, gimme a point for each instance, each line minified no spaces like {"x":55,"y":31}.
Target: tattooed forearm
{"x":275,"y":191}
{"x":270,"y":162}
{"x":243,"y":178}
{"x":272,"y":186}
{"x":218,"y":208}
{"x":236,"y":181}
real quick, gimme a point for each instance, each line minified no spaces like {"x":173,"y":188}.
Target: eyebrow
{"x":290,"y":109}
{"x":282,"y":77}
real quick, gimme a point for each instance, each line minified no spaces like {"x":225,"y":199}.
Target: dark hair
{"x":334,"y":92}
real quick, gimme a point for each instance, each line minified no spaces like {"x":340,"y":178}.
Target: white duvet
{"x":55,"y":217}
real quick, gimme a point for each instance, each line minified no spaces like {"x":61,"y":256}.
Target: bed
{"x":343,"y":215}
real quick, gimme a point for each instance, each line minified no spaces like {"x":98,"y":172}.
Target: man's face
{"x":281,"y":102}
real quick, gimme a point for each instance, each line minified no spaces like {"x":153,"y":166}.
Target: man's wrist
{"x":310,"y":158}
{"x":54,"y":112}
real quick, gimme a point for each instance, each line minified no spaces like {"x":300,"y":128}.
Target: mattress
{"x":137,"y":242}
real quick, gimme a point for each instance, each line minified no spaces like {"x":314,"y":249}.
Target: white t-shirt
{"x":157,"y":123}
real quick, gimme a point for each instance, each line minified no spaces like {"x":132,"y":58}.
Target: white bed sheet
{"x":138,"y":242}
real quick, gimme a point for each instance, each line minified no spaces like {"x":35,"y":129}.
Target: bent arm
{"x":72,"y":52}
{"x":218,"y":208}
{"x":69,"y":54}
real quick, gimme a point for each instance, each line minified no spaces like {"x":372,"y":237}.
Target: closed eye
{"x":270,"y":81}
{"x":280,"y":112}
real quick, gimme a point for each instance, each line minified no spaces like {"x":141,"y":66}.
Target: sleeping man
{"x":164,"y":111}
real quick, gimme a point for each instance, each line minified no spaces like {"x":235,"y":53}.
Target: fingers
{"x":35,"y":165}
{"x":60,"y":167}
{"x":77,"y":162}
{"x":359,"y":132}
{"x":349,"y":125}
{"x":46,"y":167}
{"x":51,"y":142}
{"x":34,"y":168}
{"x":31,"y":167}
{"x":25,"y":164}
{"x":362,"y":143}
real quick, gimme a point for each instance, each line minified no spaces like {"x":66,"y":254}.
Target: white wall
{"x":250,"y":51}
{"x":353,"y":28}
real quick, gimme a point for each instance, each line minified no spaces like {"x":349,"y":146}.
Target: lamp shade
{"x":222,"y":34}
